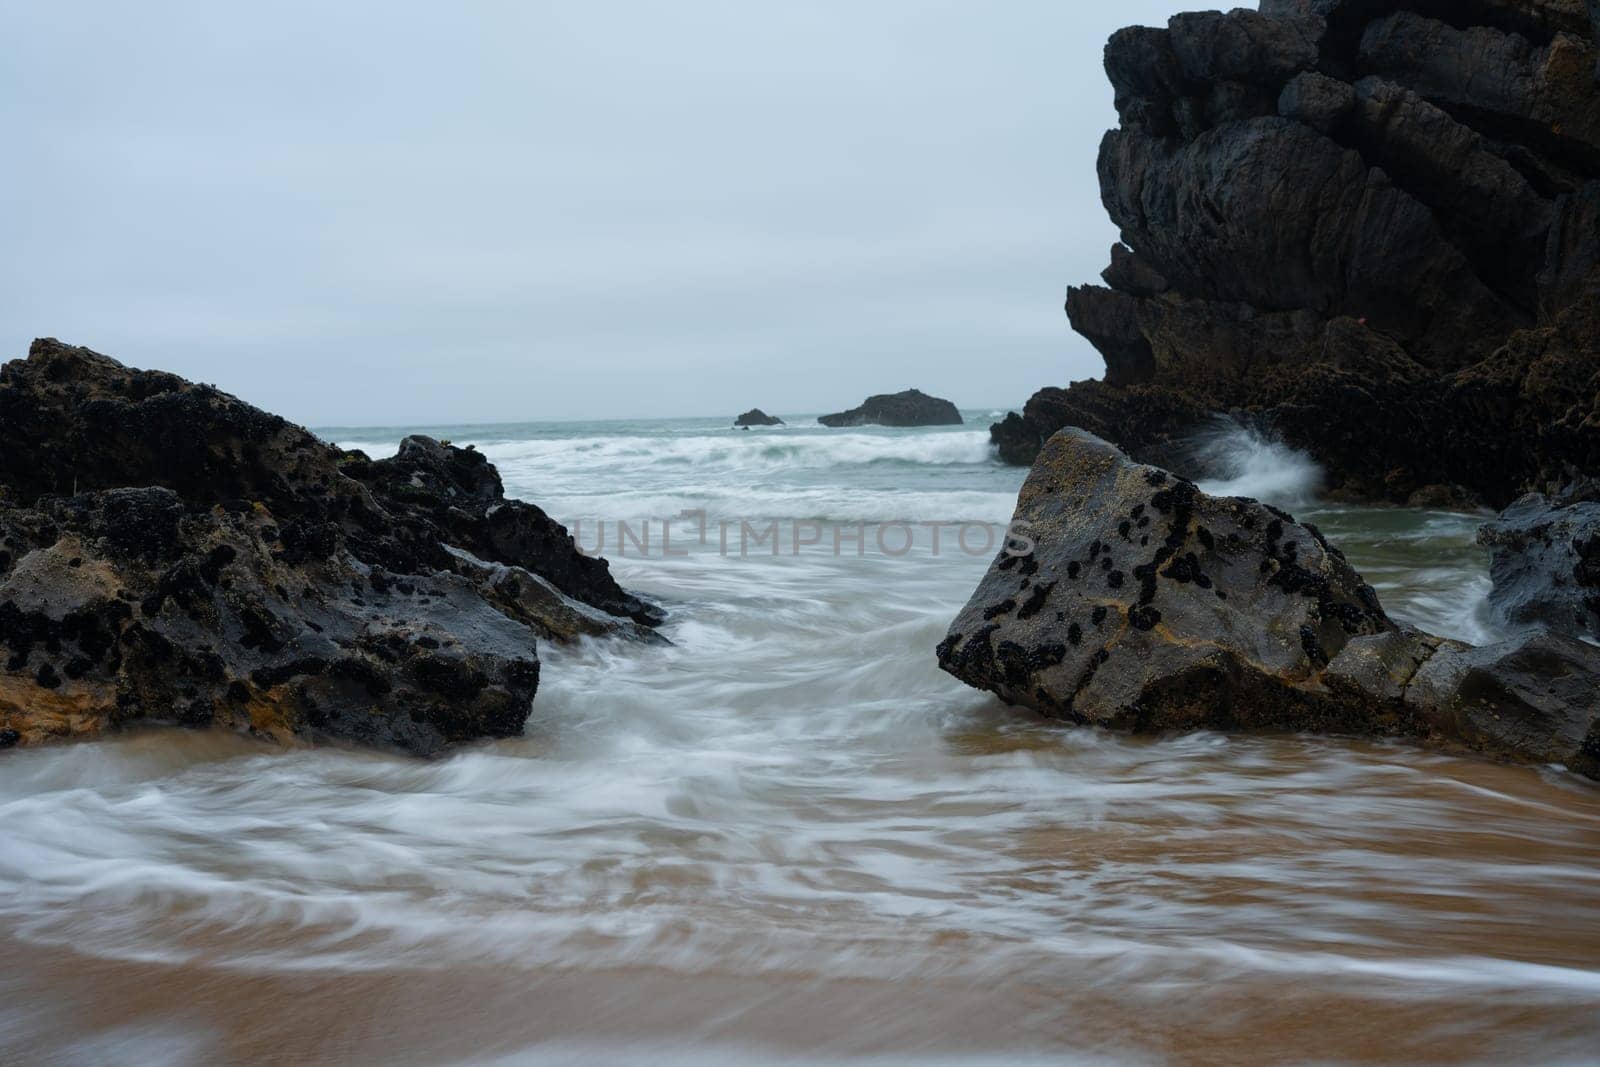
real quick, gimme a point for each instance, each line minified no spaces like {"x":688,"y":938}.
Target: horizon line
{"x":424,"y":425}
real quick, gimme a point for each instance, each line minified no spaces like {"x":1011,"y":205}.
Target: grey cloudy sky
{"x":364,"y":213}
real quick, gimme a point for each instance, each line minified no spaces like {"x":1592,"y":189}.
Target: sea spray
{"x":1239,"y":460}
{"x":1425,"y":566}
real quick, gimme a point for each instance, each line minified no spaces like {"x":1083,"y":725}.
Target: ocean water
{"x":788,"y":838}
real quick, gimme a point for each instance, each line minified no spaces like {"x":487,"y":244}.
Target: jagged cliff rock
{"x":1144,"y":604}
{"x":168,"y":552}
{"x":1372,"y":228}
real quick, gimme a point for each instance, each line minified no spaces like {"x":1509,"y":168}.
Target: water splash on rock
{"x":1240,"y":460}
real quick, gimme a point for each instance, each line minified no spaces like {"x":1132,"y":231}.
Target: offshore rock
{"x":757,"y":417}
{"x":170,"y":553}
{"x":910,"y":408}
{"x":1148,"y":605}
{"x":1375,"y":232}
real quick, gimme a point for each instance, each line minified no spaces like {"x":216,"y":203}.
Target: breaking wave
{"x":1239,"y":460}
{"x":730,"y":451}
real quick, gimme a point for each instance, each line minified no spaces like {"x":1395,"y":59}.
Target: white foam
{"x":1242,"y":461}
{"x":581,"y":511}
{"x":730,"y":451}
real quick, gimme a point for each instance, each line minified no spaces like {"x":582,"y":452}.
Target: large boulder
{"x":170,"y":553}
{"x":122,"y":605}
{"x":1147,"y":604}
{"x":1544,"y":560}
{"x":1133,"y":600}
{"x":1357,"y":225}
{"x":73,"y":420}
{"x":757,"y":417}
{"x":910,"y":408}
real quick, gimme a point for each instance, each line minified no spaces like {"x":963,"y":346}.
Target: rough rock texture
{"x":168,"y":552}
{"x":1532,"y":699}
{"x":1372,"y":228}
{"x":910,"y":408}
{"x":757,"y":417}
{"x":448,"y":497}
{"x":125,"y":605}
{"x":1545,"y":563}
{"x":1147,"y":605}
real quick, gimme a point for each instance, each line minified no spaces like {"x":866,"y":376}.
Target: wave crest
{"x":753,"y":451}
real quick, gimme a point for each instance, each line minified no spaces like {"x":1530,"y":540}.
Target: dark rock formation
{"x":1545,"y":562}
{"x":1147,"y":605}
{"x":1372,"y":229}
{"x":1530,"y":699}
{"x":451,"y":498}
{"x":123,"y":605}
{"x":910,"y":408}
{"x":757,"y":417}
{"x":170,"y":553}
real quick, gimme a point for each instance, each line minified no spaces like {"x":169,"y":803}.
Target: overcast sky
{"x":365,"y":213}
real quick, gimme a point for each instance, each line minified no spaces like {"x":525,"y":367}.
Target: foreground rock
{"x":757,"y":417}
{"x":123,"y":605}
{"x":1147,"y":605}
{"x":170,"y":553}
{"x":1373,"y":228}
{"x":1545,"y":563}
{"x":910,"y":408}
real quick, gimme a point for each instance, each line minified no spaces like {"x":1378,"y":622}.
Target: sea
{"x":787,"y":837}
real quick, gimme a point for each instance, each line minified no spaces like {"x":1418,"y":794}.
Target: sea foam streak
{"x":792,"y":800}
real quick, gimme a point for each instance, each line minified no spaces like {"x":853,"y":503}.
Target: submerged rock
{"x":170,"y":553}
{"x":757,"y":417}
{"x":910,"y":408}
{"x":1376,"y":231}
{"x":1148,"y":605}
{"x":1545,"y":563}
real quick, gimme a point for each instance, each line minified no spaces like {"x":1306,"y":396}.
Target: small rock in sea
{"x":910,"y":408}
